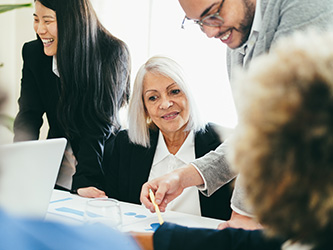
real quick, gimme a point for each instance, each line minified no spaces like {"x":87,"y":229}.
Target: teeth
{"x":167,"y":116}
{"x":226,"y":36}
{"x":46,"y":41}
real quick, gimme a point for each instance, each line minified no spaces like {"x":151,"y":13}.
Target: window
{"x":153,"y":27}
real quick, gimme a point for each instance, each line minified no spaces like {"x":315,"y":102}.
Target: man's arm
{"x":215,"y":169}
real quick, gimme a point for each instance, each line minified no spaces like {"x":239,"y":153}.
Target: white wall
{"x":16,"y":28}
{"x":149,"y":27}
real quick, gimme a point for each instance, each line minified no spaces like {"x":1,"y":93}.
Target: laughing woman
{"x":76,"y":73}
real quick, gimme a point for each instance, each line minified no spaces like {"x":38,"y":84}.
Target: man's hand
{"x":166,"y":188}
{"x":240,"y":221}
{"x":169,"y":186}
{"x":91,"y":192}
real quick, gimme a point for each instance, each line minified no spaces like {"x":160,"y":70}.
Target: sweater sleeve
{"x":215,"y":169}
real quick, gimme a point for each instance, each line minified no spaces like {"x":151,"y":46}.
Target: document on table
{"x":69,"y":208}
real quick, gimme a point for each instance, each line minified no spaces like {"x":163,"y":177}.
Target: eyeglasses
{"x":212,"y":20}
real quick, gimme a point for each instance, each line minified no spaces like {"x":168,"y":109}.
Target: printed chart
{"x":69,"y":208}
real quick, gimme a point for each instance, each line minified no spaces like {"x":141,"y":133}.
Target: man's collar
{"x":256,"y":25}
{"x":257,"y":20}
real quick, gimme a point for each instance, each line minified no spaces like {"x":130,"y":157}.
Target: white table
{"x":69,"y":208}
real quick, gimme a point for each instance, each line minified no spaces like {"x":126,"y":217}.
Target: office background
{"x":149,"y":27}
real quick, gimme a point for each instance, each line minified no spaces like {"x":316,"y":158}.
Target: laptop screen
{"x":28,"y":171}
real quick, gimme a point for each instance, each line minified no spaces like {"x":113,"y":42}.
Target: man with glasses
{"x":249,"y":28}
{"x":211,"y":21}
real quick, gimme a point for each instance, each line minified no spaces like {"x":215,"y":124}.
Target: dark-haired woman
{"x":76,"y":73}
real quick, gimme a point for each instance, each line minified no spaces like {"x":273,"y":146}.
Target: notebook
{"x":28,"y":171}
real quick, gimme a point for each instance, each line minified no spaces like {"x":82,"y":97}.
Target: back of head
{"x":284,"y":141}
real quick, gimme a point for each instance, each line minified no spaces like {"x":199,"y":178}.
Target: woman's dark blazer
{"x":127,"y":168}
{"x":40,"y":94}
{"x":174,"y":237}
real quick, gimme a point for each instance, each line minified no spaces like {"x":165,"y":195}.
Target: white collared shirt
{"x":67,"y":168}
{"x":55,"y":66}
{"x":164,"y":162}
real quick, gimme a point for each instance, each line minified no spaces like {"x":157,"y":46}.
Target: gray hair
{"x":138,"y":121}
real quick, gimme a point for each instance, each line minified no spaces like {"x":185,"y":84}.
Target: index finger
{"x":144,"y":197}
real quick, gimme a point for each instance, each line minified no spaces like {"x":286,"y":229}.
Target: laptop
{"x":28,"y":172}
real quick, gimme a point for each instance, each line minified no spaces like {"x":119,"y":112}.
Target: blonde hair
{"x":138,"y":121}
{"x":283,"y":145}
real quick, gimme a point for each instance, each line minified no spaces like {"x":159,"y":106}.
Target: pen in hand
{"x":152,"y":198}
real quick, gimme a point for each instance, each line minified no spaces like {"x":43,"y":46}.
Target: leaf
{"x":8,"y":7}
{"x":7,"y":121}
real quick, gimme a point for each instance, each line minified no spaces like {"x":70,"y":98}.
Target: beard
{"x":246,"y":23}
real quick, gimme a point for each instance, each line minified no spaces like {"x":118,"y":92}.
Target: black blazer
{"x":128,"y":168}
{"x":39,"y":95}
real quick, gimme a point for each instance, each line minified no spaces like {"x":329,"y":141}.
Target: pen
{"x":152,"y":198}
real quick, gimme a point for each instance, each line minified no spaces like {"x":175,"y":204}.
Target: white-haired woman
{"x":165,"y":132}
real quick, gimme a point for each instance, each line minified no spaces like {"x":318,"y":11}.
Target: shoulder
{"x":34,"y":53}
{"x":114,"y":52}
{"x":122,"y":140}
{"x":207,"y":139}
{"x":124,"y":148}
{"x":34,"y":46}
{"x":122,"y":136}
{"x":210,"y":128}
{"x":213,"y":126}
{"x":213,"y":134}
{"x":111,"y":43}
{"x":306,"y":11}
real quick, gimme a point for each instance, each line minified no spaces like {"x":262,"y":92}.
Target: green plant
{"x":8,"y":7}
{"x":7,"y":121}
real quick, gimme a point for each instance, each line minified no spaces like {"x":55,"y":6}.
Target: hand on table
{"x":169,"y":186}
{"x":91,"y":192}
{"x":240,"y":221}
